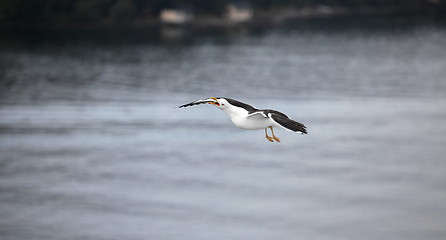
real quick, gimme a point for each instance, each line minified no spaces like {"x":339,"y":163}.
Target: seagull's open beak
{"x":214,"y":103}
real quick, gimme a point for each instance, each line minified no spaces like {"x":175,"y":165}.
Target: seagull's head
{"x":228,"y":106}
{"x":220,"y":103}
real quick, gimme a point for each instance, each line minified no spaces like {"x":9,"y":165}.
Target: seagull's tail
{"x":290,"y":124}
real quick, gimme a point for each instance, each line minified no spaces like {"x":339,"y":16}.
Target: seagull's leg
{"x":268,"y":137}
{"x":274,"y":137}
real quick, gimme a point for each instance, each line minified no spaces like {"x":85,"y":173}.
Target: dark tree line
{"x":93,"y":11}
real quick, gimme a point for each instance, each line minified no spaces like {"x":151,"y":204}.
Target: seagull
{"x":248,"y":117}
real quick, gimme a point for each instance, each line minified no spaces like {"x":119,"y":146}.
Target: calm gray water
{"x":92,"y":146}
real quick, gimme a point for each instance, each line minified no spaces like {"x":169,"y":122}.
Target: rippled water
{"x":92,"y":146}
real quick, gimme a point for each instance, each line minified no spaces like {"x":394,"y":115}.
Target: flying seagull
{"x":248,"y":117}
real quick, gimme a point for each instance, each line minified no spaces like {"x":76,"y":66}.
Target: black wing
{"x":197,"y":102}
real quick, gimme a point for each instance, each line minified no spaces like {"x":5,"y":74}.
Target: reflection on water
{"x":93,"y":148}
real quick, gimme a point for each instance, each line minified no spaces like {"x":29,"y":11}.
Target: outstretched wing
{"x":197,"y":102}
{"x":288,"y":123}
{"x":257,"y":114}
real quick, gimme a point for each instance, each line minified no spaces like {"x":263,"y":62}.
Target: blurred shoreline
{"x":265,"y":17}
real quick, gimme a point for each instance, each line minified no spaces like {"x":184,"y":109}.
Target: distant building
{"x":239,"y":12}
{"x":176,"y":15}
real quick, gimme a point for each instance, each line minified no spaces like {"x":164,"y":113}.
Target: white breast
{"x":252,"y":122}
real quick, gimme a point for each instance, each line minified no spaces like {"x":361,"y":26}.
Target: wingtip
{"x":198,"y":102}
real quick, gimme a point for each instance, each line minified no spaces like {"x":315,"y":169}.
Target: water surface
{"x":92,"y":146}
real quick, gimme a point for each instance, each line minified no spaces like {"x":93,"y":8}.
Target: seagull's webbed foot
{"x":268,"y":137}
{"x":274,"y":136}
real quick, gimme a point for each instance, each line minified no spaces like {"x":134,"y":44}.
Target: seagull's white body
{"x":245,"y":120}
{"x":252,"y":122}
{"x":247,"y":117}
